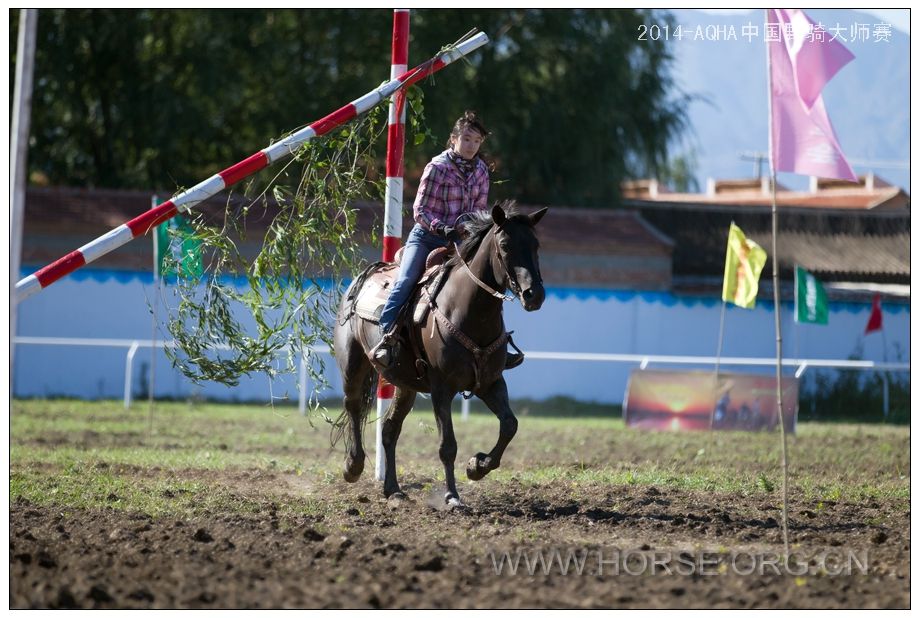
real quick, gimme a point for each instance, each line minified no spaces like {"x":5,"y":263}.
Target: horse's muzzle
{"x":532,"y":298}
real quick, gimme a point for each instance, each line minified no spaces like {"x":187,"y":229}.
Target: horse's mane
{"x":477,"y":225}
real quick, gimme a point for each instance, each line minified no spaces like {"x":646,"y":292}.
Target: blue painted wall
{"x":111,"y":304}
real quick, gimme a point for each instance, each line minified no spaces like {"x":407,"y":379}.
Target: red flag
{"x":875,"y":318}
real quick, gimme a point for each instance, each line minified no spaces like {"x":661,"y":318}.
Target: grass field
{"x":95,"y":461}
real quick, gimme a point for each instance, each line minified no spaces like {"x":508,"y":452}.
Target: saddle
{"x":379,"y":283}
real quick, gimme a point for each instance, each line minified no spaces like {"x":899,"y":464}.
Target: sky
{"x":898,"y":18}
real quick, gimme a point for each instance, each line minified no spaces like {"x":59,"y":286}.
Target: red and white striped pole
{"x":393,"y":201}
{"x":189,"y":198}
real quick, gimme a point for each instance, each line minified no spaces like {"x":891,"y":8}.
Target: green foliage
{"x":854,"y":396}
{"x":574,"y":101}
{"x":851,"y":397}
{"x":162,"y":98}
{"x":223,"y":330}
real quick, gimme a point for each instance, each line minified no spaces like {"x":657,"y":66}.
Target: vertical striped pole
{"x":393,"y":201}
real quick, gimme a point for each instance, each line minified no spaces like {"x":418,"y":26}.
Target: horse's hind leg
{"x":358,"y":381}
{"x":354,"y":456}
{"x":392,"y":426}
{"x":496,"y":397}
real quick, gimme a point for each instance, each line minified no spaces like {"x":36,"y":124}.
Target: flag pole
{"x":796,"y":329}
{"x":884,"y":373}
{"x":776,"y":305}
{"x":715,"y":390}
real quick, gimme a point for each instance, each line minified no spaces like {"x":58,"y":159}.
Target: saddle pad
{"x":375,"y":292}
{"x":373,"y":296}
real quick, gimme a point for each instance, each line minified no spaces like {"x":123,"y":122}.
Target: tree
{"x":164,"y":98}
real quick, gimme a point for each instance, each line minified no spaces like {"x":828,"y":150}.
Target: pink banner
{"x":801,"y":63}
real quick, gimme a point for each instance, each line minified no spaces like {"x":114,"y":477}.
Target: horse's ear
{"x":535,"y":217}
{"x":498,"y":215}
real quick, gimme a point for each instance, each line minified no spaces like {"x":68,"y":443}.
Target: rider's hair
{"x":469,"y":120}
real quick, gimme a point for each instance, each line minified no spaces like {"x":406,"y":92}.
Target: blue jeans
{"x":419,"y":244}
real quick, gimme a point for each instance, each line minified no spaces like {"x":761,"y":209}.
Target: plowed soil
{"x":412,"y":554}
{"x":362,"y":551}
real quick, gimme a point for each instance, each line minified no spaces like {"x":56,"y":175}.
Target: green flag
{"x":183,"y":247}
{"x":810,"y":299}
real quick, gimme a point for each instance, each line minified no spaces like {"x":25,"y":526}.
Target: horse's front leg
{"x":496,"y":397}
{"x":441,"y":400}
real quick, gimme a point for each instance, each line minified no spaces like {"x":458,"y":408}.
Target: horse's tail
{"x":341,"y":426}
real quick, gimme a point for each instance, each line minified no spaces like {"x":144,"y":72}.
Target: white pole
{"x":464,"y":409}
{"x":129,"y":371}
{"x":19,"y":151}
{"x":154,"y":202}
{"x":302,"y":403}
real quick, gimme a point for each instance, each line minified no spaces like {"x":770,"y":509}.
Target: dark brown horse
{"x":462,"y":344}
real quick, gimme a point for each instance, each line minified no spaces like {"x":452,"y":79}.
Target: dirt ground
{"x":413,"y":555}
{"x":237,"y":508}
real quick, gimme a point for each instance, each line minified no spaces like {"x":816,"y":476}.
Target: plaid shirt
{"x":444,"y":193}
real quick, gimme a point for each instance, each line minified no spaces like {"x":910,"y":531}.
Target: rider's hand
{"x":452,"y":234}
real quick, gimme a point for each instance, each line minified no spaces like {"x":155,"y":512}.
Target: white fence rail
{"x":642,"y":360}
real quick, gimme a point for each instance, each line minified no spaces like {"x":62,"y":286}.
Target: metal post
{"x":885,"y":394}
{"x":129,"y":372}
{"x":302,"y":405}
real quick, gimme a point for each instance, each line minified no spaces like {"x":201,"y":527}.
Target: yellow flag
{"x":744,"y":260}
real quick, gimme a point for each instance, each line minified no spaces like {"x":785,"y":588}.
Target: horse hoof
{"x":353,"y":472}
{"x":396,"y":498}
{"x":478,"y":467}
{"x":452,"y":501}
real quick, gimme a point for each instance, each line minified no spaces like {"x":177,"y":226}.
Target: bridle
{"x":511,"y":282}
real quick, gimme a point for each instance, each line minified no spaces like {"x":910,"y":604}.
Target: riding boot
{"x":382,"y":353}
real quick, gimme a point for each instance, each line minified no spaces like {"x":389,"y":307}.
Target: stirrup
{"x":513,"y":360}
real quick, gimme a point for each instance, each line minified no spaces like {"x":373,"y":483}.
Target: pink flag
{"x":815,"y":58}
{"x":803,"y":140}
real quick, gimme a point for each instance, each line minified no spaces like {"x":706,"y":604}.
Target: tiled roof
{"x":885,"y":198}
{"x":58,"y":220}
{"x":840,"y":245}
{"x":871,"y":193}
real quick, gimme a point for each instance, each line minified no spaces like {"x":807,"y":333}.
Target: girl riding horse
{"x":454,"y":183}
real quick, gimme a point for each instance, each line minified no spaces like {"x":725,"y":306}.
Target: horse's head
{"x":516,"y":248}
